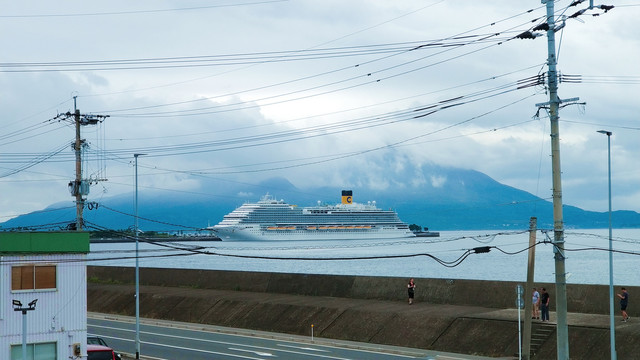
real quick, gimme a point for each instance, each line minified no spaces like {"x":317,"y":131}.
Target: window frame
{"x":32,"y":350}
{"x":41,"y":281}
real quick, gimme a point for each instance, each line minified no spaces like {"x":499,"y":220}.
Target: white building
{"x":48,"y":267}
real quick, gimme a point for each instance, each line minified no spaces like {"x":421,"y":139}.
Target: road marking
{"x":249,"y":346}
{"x":302,"y":348}
{"x":203,"y":351}
{"x":123,"y":339}
{"x":259,"y":353}
{"x":221,"y":342}
{"x":189,"y":349}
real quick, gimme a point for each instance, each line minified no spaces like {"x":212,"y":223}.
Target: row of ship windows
{"x":335,"y":227}
{"x":301,"y":216}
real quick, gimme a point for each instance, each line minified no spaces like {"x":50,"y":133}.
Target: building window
{"x":42,"y":351}
{"x":32,"y":277}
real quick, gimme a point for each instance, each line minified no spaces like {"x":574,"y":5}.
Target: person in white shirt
{"x":536,"y":304}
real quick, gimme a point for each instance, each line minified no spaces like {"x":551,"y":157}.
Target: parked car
{"x":97,"y":340}
{"x":99,"y":352}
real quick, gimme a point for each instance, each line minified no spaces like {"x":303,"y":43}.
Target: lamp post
{"x":17,"y":306}
{"x":611,"y":311}
{"x":135,"y":156}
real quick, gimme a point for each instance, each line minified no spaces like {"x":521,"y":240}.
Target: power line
{"x":111,"y":13}
{"x":602,"y":125}
{"x":599,"y":79}
{"x":214,"y":109}
{"x":238,"y":59}
{"x":456,"y":36}
{"x":142,"y":218}
{"x":35,"y":161}
{"x":462,"y":35}
{"x":308,"y":132}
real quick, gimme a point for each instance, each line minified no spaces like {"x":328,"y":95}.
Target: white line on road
{"x":303,"y":348}
{"x":259,"y":353}
{"x":203,"y":351}
{"x":316,"y":349}
{"x":224,"y":343}
{"x":178,"y":347}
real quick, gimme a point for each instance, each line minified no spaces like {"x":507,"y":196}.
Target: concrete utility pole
{"x":79,"y":188}
{"x":558,"y":225}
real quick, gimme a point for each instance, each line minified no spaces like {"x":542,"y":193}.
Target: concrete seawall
{"x":464,"y":316}
{"x":590,"y":299}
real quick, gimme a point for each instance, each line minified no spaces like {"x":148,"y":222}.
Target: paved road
{"x":162,"y":342}
{"x":178,"y":341}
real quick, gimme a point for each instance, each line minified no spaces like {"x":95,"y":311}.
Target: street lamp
{"x":611,"y":311}
{"x":135,"y":156}
{"x":17,"y":306}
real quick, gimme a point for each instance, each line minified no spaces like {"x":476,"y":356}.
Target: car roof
{"x":96,"y":340}
{"x":92,"y":347}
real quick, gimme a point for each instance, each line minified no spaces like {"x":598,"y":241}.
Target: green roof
{"x":43,"y":242}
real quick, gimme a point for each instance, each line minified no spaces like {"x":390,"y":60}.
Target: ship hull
{"x":254,"y":233}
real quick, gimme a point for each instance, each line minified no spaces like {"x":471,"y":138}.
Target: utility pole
{"x":79,"y":188}
{"x":558,"y":224}
{"x":135,"y":156}
{"x":533,"y":224}
{"x":562,"y":330}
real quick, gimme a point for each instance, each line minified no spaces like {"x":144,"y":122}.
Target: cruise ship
{"x":271,"y":219}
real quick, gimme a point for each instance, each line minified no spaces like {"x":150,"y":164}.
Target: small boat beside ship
{"x":271,"y":219}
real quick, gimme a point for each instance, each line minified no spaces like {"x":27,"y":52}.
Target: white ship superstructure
{"x":271,"y":219}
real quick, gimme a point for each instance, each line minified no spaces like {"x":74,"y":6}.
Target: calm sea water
{"x":587,"y":256}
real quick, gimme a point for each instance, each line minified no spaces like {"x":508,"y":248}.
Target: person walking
{"x":411,"y":290}
{"x":536,"y":304}
{"x":624,"y":300}
{"x":544,"y":304}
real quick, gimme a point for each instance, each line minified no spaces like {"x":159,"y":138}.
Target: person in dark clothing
{"x":411,"y":290}
{"x":544,"y":304}
{"x":624,"y":301}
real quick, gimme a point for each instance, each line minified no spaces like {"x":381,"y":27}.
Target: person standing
{"x":624,"y":300}
{"x":411,"y":290}
{"x":536,"y":304}
{"x":544,"y":304}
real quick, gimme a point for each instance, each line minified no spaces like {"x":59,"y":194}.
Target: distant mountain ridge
{"x":435,"y":197}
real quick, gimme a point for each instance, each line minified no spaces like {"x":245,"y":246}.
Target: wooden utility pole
{"x":528,"y":305}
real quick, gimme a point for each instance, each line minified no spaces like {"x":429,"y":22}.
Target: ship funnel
{"x":347,"y":196}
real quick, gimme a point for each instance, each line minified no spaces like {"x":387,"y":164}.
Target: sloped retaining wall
{"x":590,"y":299}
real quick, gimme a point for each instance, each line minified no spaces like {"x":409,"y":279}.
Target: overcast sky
{"x":320,"y":92}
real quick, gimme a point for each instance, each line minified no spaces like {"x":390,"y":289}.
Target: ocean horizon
{"x":449,"y":256}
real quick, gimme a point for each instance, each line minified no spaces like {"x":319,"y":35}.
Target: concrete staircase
{"x":540,"y":333}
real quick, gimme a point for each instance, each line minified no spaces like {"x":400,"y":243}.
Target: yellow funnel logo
{"x":347,"y":196}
